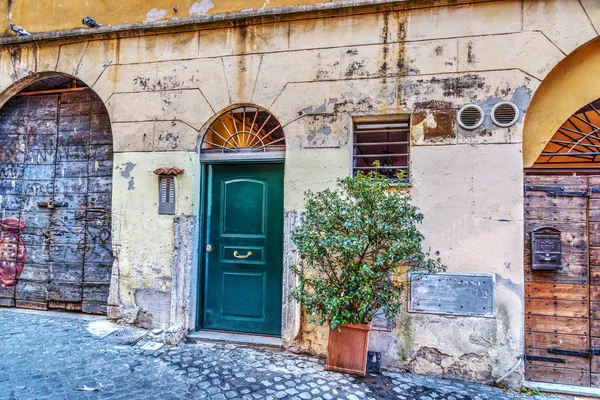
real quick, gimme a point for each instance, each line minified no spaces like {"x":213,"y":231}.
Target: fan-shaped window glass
{"x":577,"y":141}
{"x":244,"y":129}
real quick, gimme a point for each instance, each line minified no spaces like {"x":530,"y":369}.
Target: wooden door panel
{"x":594,"y":234}
{"x":595,"y":328}
{"x":593,"y":180}
{"x":579,"y":363}
{"x":540,"y":199}
{"x":594,"y":293}
{"x":557,"y":305}
{"x":595,"y":380}
{"x":594,"y":275}
{"x":52,"y":162}
{"x":570,"y":273}
{"x":243,"y":271}
{"x":594,"y":213}
{"x":564,"y":376}
{"x":553,"y":278}
{"x":570,"y":326}
{"x":595,"y":310}
{"x":569,"y":182}
{"x":594,"y":256}
{"x":560,"y":225}
{"x":557,"y":308}
{"x":550,"y":215}
{"x":538,"y":340}
{"x":539,"y":290}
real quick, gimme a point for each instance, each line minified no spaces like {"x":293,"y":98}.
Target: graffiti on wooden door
{"x":55,"y":201}
{"x":12,"y":251}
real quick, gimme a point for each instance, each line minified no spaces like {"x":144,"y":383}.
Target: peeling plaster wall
{"x":315,"y":75}
{"x":142,"y":290}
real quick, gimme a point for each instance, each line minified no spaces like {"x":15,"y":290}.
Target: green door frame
{"x":202,"y":223}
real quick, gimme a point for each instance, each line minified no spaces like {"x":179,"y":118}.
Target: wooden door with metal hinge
{"x":562,"y":306}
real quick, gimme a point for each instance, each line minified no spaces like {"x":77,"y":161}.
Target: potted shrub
{"x":356,"y":244}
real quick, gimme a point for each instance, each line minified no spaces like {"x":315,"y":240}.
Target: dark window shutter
{"x":166,"y":194}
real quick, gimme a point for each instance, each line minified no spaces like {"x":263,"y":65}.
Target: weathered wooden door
{"x":562,"y":307}
{"x":55,"y":195}
{"x":244,"y":248}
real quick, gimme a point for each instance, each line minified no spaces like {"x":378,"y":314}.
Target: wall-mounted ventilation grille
{"x":470,"y":116}
{"x":166,"y":194}
{"x":505,"y":114}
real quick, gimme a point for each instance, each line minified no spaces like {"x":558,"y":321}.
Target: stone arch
{"x":570,"y":85}
{"x":21,"y":84}
{"x":56,"y":162}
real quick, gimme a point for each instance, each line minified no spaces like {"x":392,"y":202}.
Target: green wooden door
{"x":243,"y":263}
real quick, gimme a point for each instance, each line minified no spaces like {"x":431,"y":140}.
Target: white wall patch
{"x":155,"y":14}
{"x":201,"y":8}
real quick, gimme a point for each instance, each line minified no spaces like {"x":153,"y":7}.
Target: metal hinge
{"x":559,"y":191}
{"x":52,"y":204}
{"x":545,"y":359}
{"x":569,"y":194}
{"x":533,"y":188}
{"x":584,"y":354}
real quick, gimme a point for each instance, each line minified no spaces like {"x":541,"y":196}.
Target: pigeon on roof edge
{"x":19,"y":31}
{"x":90,"y":23}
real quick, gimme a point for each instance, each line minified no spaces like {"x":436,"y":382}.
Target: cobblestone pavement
{"x":57,"y":356}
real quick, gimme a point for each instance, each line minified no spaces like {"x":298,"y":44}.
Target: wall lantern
{"x":166,"y":189}
{"x":546,"y":249}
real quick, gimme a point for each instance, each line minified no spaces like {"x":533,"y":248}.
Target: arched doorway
{"x":55,"y":195}
{"x":242,"y":237}
{"x":562,"y":260}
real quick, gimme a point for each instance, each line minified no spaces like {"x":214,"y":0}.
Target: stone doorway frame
{"x":185,"y":292}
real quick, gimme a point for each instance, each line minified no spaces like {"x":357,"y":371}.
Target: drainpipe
{"x":503,"y":377}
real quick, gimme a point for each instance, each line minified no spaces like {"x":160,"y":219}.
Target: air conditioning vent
{"x":470,"y":116}
{"x":505,"y":114}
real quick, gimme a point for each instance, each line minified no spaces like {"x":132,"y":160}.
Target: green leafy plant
{"x":530,"y":391}
{"x":356,"y":244}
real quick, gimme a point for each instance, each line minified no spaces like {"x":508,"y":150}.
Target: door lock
{"x":208,"y":248}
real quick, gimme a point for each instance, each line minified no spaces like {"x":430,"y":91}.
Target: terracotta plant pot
{"x":347,"y":349}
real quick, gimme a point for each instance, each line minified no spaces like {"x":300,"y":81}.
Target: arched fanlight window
{"x":244,"y":129}
{"x":577,"y":141}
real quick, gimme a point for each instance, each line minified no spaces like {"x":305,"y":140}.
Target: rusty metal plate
{"x":453,"y":294}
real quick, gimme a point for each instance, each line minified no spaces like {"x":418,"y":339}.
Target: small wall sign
{"x":453,"y":294}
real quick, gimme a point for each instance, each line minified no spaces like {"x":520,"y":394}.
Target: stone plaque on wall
{"x":453,"y":294}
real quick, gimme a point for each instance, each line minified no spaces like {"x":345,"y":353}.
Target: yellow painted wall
{"x":574,"y":83}
{"x":55,"y":15}
{"x":314,"y":75}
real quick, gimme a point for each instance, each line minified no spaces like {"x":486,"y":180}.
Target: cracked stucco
{"x":315,"y":75}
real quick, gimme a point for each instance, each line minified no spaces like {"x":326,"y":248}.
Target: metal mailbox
{"x":546,"y":249}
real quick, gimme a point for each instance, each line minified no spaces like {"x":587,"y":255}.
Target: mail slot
{"x":546,"y":249}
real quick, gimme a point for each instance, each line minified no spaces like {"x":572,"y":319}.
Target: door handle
{"x":208,"y":248}
{"x":237,"y":255}
{"x":52,"y":204}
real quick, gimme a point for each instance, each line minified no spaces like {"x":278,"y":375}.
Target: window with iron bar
{"x":385,"y":141}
